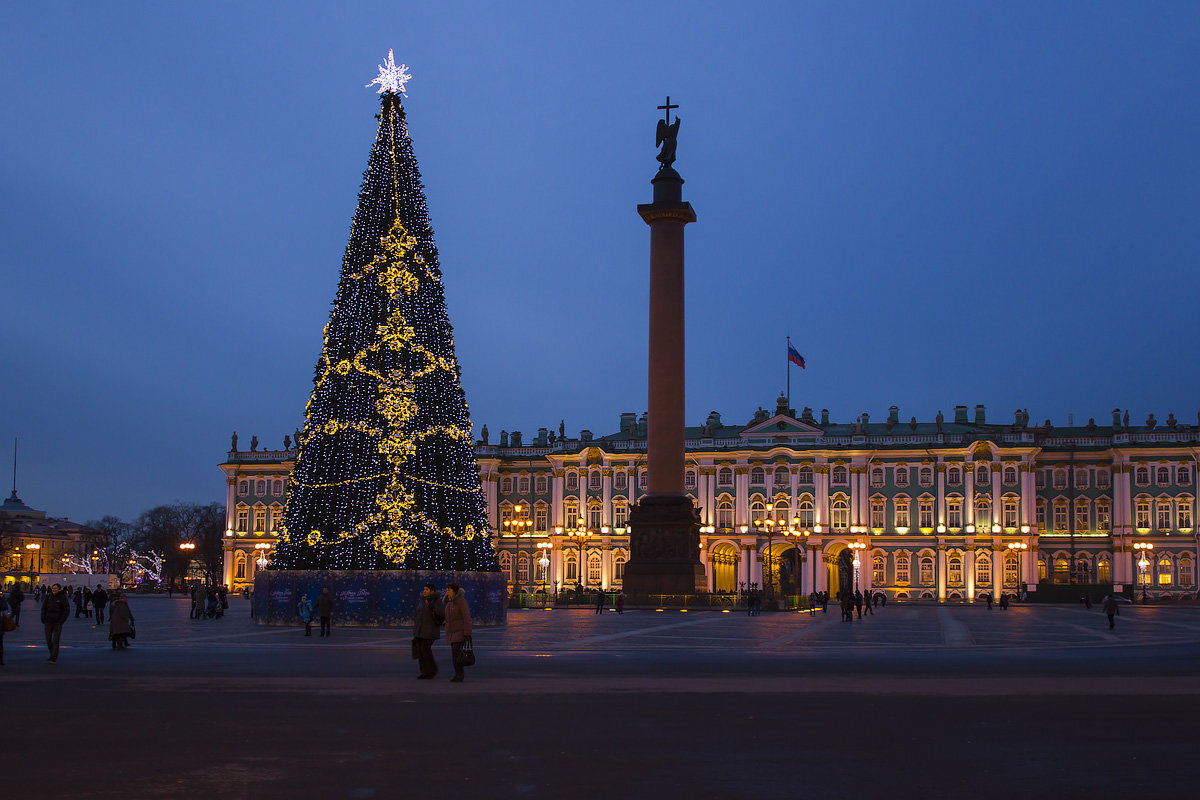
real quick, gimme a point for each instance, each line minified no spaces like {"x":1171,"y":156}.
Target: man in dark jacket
{"x":15,"y":598}
{"x":325,"y":610}
{"x":55,"y":611}
{"x":427,"y":622}
{"x":99,"y":600}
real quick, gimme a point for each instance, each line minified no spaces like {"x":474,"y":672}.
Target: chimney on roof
{"x":629,"y":423}
{"x":824,"y":416}
{"x":980,"y":416}
{"x":960,"y":415}
{"x":893,"y":416}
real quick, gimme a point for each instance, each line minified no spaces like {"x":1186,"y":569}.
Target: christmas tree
{"x":386,"y":476}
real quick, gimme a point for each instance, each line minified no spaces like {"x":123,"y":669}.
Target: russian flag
{"x":795,"y":357}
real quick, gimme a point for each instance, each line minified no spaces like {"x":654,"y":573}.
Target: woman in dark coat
{"x":458,"y":626}
{"x":427,"y":620}
{"x":120,"y":623}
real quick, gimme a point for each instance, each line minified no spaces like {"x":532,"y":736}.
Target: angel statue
{"x":667,"y":131}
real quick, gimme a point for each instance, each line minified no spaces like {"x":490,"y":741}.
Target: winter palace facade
{"x":944,"y":510}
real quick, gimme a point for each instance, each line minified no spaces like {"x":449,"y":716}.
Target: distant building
{"x":32,"y":543}
{"x":950,"y":509}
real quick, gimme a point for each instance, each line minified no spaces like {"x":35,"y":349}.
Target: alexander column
{"x":664,"y":539}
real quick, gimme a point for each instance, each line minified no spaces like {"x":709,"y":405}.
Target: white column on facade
{"x":606,"y":559}
{"x":969,"y":568}
{"x":556,"y":567}
{"x":821,"y":512}
{"x":997,"y":473}
{"x":755,"y":565}
{"x":1028,"y":495}
{"x":556,"y":498}
{"x":228,"y":554}
{"x":941,"y":573}
{"x":606,"y":515}
{"x":997,"y":570}
{"x":794,"y":488}
{"x":940,"y":469}
{"x":741,"y":481}
{"x":968,"y":494}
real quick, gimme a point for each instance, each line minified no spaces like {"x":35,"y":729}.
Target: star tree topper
{"x":391,"y":77}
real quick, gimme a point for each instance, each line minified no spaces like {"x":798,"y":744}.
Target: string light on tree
{"x":385,"y":477}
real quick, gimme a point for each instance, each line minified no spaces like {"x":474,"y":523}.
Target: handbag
{"x":8,"y":622}
{"x":466,"y":654}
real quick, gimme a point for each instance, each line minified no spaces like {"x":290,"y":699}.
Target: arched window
{"x":782,"y":476}
{"x":594,"y":515}
{"x":571,"y":512}
{"x":725,"y":476}
{"x":689,"y":479}
{"x":243,"y":487}
{"x":1012,"y":570}
{"x":572,"y":481}
{"x":594,"y":479}
{"x":540,"y":483}
{"x":1041,"y":568}
{"x":239,"y":566}
{"x":983,"y":474}
{"x":839,"y":475}
{"x":620,"y":512}
{"x":523,"y":569}
{"x":1164,"y":476}
{"x":1104,"y":570}
{"x":1062,"y":570}
{"x":1183,"y":476}
{"x":619,"y":568}
{"x":620,"y":480}
{"x":902,"y":568}
{"x":983,"y":570}
{"x":260,"y":487}
{"x":983,"y":514}
{"x":1060,"y":478}
{"x":757,"y":476}
{"x":593,"y":563}
{"x":954,"y":514}
{"x":804,"y":476}
{"x":783,"y":509}
{"x":1187,"y":574}
{"x":926,"y":565}
{"x":878,"y":571}
{"x":506,"y":564}
{"x":1010,"y":474}
{"x":841,"y":513}
{"x":523,"y":484}
{"x":877,"y":476}
{"x":954,"y":569}
{"x":758,"y":509}
{"x":805,"y":511}
{"x":1166,"y":573}
{"x":954,"y":476}
{"x":925,"y":476}
{"x":506,"y":485}
{"x":571,"y":565}
{"x":1141,"y":476}
{"x":278,"y":487}
{"x":902,"y":475}
{"x":724,"y":513}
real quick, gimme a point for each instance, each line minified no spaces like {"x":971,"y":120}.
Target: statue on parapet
{"x":253,"y":443}
{"x":233,"y":443}
{"x":484,"y":434}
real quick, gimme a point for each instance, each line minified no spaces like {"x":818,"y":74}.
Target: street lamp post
{"x":580,"y":535}
{"x":768,"y":524}
{"x":856,"y":547}
{"x":518,"y":524}
{"x":800,"y":536}
{"x":544,"y":561}
{"x":187,"y":548}
{"x":1019,"y":549}
{"x":1143,"y":549}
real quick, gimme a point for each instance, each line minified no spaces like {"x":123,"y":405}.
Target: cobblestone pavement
{"x":915,"y":701}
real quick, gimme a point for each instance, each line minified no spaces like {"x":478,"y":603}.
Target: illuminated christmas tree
{"x":386,"y":476}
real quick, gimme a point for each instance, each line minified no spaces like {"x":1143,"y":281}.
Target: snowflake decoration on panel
{"x":391,"y":77}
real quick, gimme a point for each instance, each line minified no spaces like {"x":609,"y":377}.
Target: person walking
{"x":599,"y":602}
{"x":120,"y":623}
{"x":77,"y":598}
{"x":305,"y":612}
{"x":199,"y":599}
{"x":325,"y":610}
{"x":620,"y":603}
{"x":987,"y":596}
{"x":427,"y":623}
{"x":1004,"y":601}
{"x":1111,"y":609}
{"x":56,"y":610}
{"x":858,"y":602}
{"x":99,"y":600}
{"x":87,"y":602}
{"x":458,"y":627}
{"x":15,"y":598}
{"x":5,"y":611}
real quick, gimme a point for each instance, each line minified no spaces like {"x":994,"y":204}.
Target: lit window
{"x":901,"y":512}
{"x":1062,"y":570}
{"x":1142,"y":514}
{"x":901,"y":568}
{"x":877,"y":513}
{"x":276,"y":520}
{"x":1104,"y":571}
{"x":926,"y":570}
{"x":954,"y":513}
{"x":572,"y":568}
{"x":619,"y":569}
{"x":1041,"y":569}
{"x":1165,"y":573}
{"x":239,"y":569}
{"x":983,"y":571}
{"x":954,"y":570}
{"x":1012,"y":570}
{"x":878,"y":572}
{"x":1040,"y":515}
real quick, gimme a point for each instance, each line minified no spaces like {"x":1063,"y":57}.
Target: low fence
{"x":589,"y":599}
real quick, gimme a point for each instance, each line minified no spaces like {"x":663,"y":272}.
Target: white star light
{"x":391,"y":77}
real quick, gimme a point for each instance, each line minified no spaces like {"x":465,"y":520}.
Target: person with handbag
{"x":120,"y":623}
{"x":427,"y":623}
{"x":56,"y":610}
{"x":458,"y":630}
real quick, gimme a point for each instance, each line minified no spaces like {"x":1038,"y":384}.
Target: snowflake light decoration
{"x":391,"y":77}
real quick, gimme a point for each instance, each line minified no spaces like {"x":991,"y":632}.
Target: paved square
{"x":916,"y":700}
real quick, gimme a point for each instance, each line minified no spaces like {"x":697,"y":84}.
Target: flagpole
{"x":789,"y":372}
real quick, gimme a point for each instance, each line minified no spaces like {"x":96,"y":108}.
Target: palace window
{"x":1060,"y":479}
{"x":926,"y":565}
{"x":243,"y":519}
{"x":954,"y":476}
{"x":805,"y":510}
{"x":1166,"y":574}
{"x":901,"y":512}
{"x":1082,"y":517}
{"x":506,"y":485}
{"x":594,"y":514}
{"x":925,"y":510}
{"x":783,"y":476}
{"x":278,"y":487}
{"x":620,"y":480}
{"x":1012,"y":570}
{"x":724,"y":513}
{"x":239,"y":566}
{"x":925,"y":476}
{"x":1185,"y":514}
{"x":1102,"y":477}
{"x":1010,"y":474}
{"x":243,"y":487}
{"x":260,"y":519}
{"x":876,"y":477}
{"x":804,"y":476}
{"x":877,"y":513}
{"x":724,"y":477}
{"x":983,"y":571}
{"x":840,"y":474}
{"x":1041,"y":564}
{"x":619,"y":569}
{"x":1141,"y":476}
{"x":954,"y":570}
{"x":901,"y":568}
{"x":1081,"y":478}
{"x":594,"y":569}
{"x":1104,"y":570}
{"x":620,"y":513}
{"x":1040,"y":515}
{"x":1163,"y":507}
{"x":954,"y":517}
{"x":523,"y":569}
{"x":1103,"y":516}
{"x":571,"y":512}
{"x":983,"y":475}
{"x":1142,"y":514}
{"x":1062,"y":570}
{"x":901,"y":475}
{"x":540,"y":483}
{"x":1040,"y":478}
{"x":572,"y":568}
{"x":572,"y":481}
{"x":689,"y":479}
{"x":758,"y":509}
{"x":983,"y":514}
{"x":276,"y":519}
{"x":878,"y":572}
{"x":261,"y":487}
{"x":594,"y":478}
{"x":506,"y":565}
{"x":1187,"y":576}
{"x":1164,"y":476}
{"x":541,"y":518}
{"x":642,"y":479}
{"x":841,"y":514}
{"x":523,"y":484}
{"x":1183,"y":476}
{"x":1010,"y":512}
{"x":757,"y":476}
{"x":1060,"y":517}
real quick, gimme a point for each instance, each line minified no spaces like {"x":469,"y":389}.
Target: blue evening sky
{"x":941,"y":203}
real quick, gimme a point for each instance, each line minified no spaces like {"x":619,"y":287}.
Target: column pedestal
{"x":664,"y":554}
